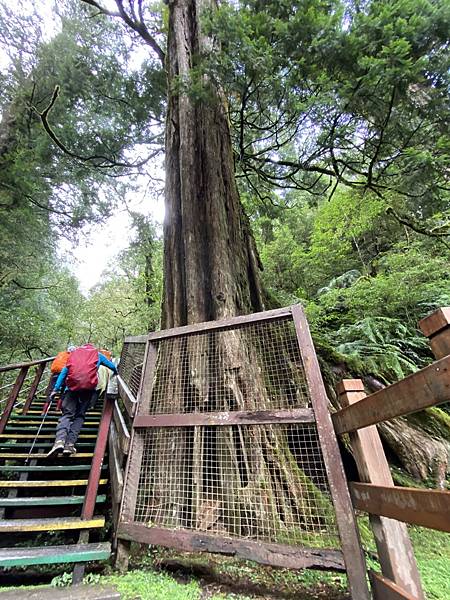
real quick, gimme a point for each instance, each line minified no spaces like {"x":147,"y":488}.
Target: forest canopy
{"x":338,"y":115}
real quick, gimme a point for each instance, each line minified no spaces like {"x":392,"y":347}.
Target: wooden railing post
{"x":34,"y":386}
{"x":437,"y":328}
{"x":13,"y":397}
{"x":391,"y":537}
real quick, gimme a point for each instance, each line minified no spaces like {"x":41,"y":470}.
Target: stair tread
{"x":49,"y":524}
{"x":45,"y":436}
{"x":10,"y":557}
{"x":10,"y":483}
{"x":46,"y":500}
{"x":26,"y":455}
{"x":48,"y":444}
{"x":33,"y":468}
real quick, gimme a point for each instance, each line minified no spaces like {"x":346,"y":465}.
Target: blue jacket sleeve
{"x":61,"y":379}
{"x":102,"y":360}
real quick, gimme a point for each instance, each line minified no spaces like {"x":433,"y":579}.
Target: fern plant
{"x":383,"y":347}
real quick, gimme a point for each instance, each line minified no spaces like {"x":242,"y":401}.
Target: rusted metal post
{"x":13,"y":397}
{"x":391,"y":537}
{"x":34,"y":386}
{"x":437,"y":328}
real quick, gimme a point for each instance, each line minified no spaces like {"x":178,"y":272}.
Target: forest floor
{"x":160,"y":574}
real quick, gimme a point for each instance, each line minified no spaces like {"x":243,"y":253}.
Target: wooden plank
{"x":428,"y":387}
{"x":21,"y":421}
{"x":15,"y":390}
{"x":427,"y":508}
{"x":78,"y":592}
{"x":115,"y":466}
{"x":127,"y":396}
{"x":278,"y":555}
{"x":435,"y":322}
{"x":49,"y":436}
{"x":25,"y":455}
{"x":384,"y":589}
{"x":44,"y":555}
{"x":37,"y":379}
{"x":242,"y":417}
{"x":37,"y":468}
{"x":99,"y":455}
{"x":232,"y":322}
{"x":22,"y":365}
{"x":58,"y":413}
{"x":46,"y":500}
{"x":122,"y":429}
{"x":136,"y":339}
{"x":61,"y":524}
{"x":15,"y":446}
{"x":345,"y":517}
{"x":394,"y":546}
{"x":10,"y":483}
{"x":133,"y":468}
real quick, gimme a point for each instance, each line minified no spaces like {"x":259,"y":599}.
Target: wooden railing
{"x":17,"y":393}
{"x":390,"y":507}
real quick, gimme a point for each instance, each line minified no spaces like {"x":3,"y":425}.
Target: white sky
{"x":98,"y":246}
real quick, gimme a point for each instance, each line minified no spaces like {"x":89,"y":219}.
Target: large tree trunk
{"x":211,"y":267}
{"x":234,"y":480}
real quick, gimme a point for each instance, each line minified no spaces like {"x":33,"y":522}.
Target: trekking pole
{"x":49,"y":404}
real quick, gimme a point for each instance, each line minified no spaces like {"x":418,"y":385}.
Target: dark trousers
{"x":74,"y":407}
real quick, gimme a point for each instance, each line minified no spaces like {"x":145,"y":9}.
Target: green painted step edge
{"x":48,"y":444}
{"x":18,"y":468}
{"x":46,"y":501}
{"x":70,"y":555}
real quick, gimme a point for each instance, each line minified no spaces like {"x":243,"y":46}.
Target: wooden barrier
{"x":437,"y":328}
{"x":427,"y":508}
{"x":428,"y":387}
{"x":391,"y":537}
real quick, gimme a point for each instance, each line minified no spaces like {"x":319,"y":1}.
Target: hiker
{"x":80,"y":377}
{"x":103,"y":374}
{"x":58,"y":364}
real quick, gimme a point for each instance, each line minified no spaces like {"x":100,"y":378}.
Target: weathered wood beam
{"x":242,"y":417}
{"x":31,"y":363}
{"x":394,"y":546}
{"x":34,"y":386}
{"x":437,"y":328}
{"x":427,"y":508}
{"x":279,"y":555}
{"x":428,"y":387}
{"x":15,"y":391}
{"x":384,"y":589}
{"x":345,"y":516}
{"x":269,"y":315}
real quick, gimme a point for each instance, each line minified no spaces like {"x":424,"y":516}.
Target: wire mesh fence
{"x":259,"y":482}
{"x":131,"y":363}
{"x":254,"y":367}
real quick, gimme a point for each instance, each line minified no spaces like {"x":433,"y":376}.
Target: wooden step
{"x":11,"y":483}
{"x":58,"y":413}
{"x":41,"y":456}
{"x":37,"y":468}
{"x":49,"y":555}
{"x":45,"y":436}
{"x":24,"y":421}
{"x":46,"y":500}
{"x":58,"y":524}
{"x":48,"y":445}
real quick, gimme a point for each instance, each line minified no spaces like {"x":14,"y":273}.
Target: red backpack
{"x":82,"y":366}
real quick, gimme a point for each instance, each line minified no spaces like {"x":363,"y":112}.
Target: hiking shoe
{"x":58,"y":447}
{"x":69,"y":449}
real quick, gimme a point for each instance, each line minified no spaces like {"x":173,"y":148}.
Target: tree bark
{"x":211,"y":266}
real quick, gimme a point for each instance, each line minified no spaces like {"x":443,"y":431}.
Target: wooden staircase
{"x":50,"y":500}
